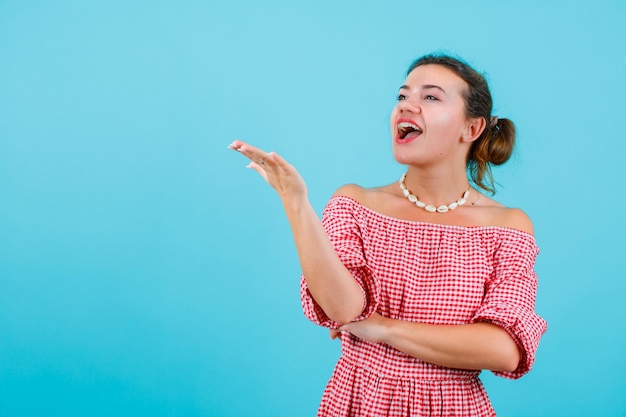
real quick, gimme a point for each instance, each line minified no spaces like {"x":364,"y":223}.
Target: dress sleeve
{"x":345,"y":233}
{"x":509,"y":300}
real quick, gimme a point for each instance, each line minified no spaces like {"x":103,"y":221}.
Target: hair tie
{"x":493,"y":123}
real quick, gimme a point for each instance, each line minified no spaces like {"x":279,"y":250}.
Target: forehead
{"x":433,"y":74}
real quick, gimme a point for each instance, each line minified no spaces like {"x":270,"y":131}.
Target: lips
{"x":407,"y":130}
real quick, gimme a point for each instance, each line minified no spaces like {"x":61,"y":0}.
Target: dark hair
{"x":495,"y":144}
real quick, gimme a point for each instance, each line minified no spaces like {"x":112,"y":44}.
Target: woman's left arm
{"x":463,"y":346}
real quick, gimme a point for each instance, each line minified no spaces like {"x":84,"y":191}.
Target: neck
{"x":436,"y":188}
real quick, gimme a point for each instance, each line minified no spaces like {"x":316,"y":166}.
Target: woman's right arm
{"x":330,"y":283}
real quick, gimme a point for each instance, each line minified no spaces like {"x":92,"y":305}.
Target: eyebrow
{"x":425,"y":87}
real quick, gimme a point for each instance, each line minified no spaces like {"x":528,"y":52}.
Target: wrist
{"x":387,"y":326}
{"x":295,"y":205}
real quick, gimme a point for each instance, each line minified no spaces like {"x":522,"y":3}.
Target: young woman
{"x":427,"y":281}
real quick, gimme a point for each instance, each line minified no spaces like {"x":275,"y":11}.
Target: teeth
{"x":404,"y":125}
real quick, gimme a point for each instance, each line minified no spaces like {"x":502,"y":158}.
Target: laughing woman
{"x":426,"y":282}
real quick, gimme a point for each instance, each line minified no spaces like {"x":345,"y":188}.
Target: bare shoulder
{"x":369,"y":197}
{"x":515,"y":218}
{"x":350,"y":190}
{"x":358,"y":193}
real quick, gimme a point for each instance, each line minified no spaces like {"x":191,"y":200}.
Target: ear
{"x":473,"y":129}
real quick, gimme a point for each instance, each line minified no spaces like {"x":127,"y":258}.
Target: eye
{"x":430,"y":97}
{"x":401,"y":97}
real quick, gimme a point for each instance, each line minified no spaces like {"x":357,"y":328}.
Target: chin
{"x":402,"y":157}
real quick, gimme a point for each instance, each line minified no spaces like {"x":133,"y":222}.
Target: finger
{"x":256,"y":155}
{"x":277,"y":158}
{"x":251,"y":152}
{"x":236,"y":144}
{"x":343,"y":328}
{"x":258,"y":168}
{"x":334,"y":333}
{"x":248,"y":149}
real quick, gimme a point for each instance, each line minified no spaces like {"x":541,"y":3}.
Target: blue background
{"x":145,"y":271}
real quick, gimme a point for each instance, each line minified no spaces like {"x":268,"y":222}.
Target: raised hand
{"x":278,"y":173}
{"x":330,"y":283}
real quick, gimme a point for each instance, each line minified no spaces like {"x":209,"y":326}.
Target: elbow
{"x":341,"y":305}
{"x":505,"y":353}
{"x":508,"y":360}
{"x":341,"y":320}
{"x":511,"y":364}
{"x":345,"y":315}
{"x":346,"y":310}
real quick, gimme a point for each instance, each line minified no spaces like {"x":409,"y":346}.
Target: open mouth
{"x":408,"y":130}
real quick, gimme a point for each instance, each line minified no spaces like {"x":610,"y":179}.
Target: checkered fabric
{"x":428,"y":273}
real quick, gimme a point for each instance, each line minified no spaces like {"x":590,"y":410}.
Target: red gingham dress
{"x":428,"y":273}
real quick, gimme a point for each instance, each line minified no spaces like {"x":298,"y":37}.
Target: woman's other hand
{"x":372,"y":329}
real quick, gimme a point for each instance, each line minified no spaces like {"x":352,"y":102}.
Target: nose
{"x":408,"y":105}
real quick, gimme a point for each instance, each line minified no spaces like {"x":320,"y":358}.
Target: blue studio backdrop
{"x":145,"y":271}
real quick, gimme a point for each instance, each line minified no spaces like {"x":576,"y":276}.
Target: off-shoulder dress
{"x":427,"y":273}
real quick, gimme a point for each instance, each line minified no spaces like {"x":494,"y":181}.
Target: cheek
{"x":444,"y":118}
{"x":449,"y":121}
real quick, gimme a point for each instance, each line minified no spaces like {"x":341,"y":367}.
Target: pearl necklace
{"x":430,"y":208}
